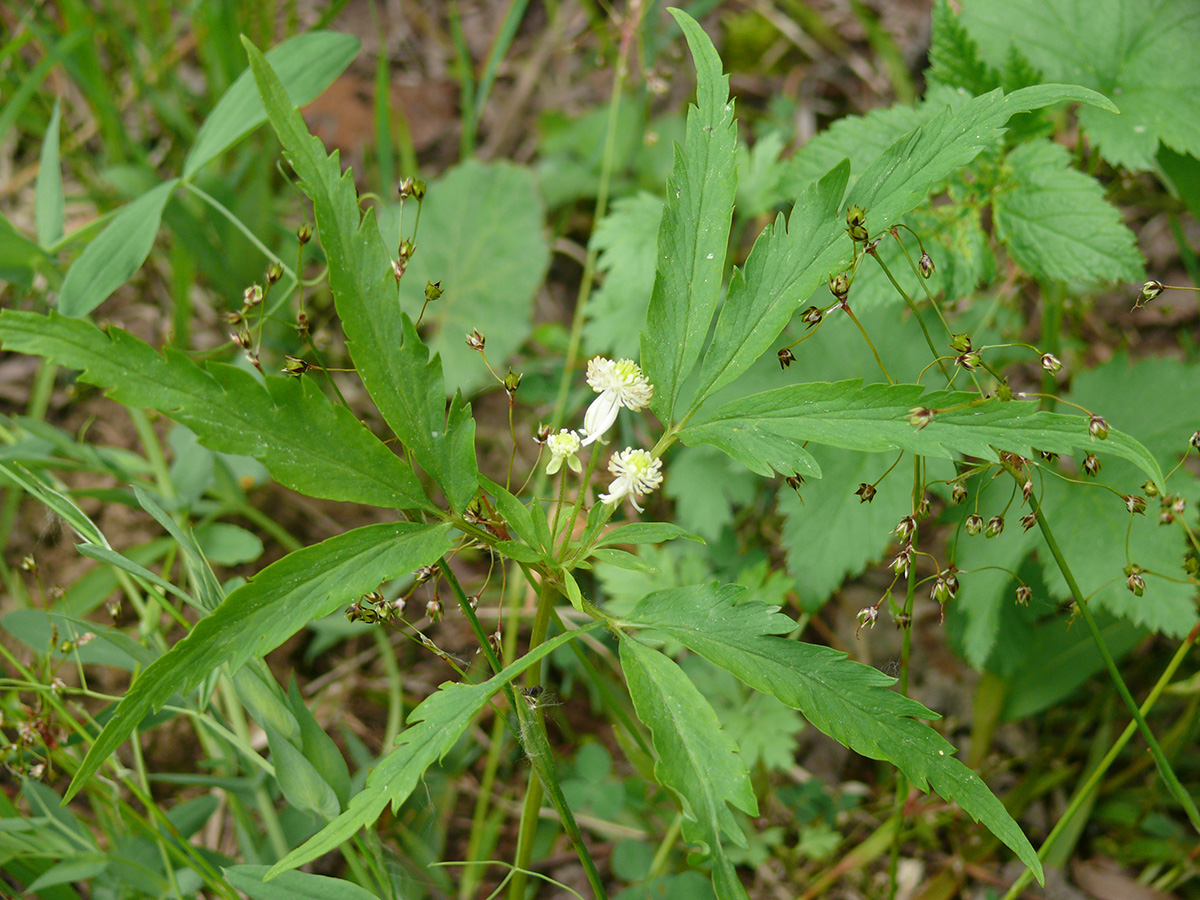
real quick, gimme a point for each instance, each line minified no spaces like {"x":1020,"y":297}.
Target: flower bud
{"x":902,"y":561}
{"x":1150,"y":489}
{"x":906,"y":528}
{"x":856,"y":224}
{"x":974,"y":524}
{"x":866,"y":618}
{"x":1150,"y":290}
{"x":1091,"y":465}
{"x":1136,"y":584}
{"x":304,"y":233}
{"x":786,"y":358}
{"x":293,"y":365}
{"x":866,"y":492}
{"x":512,"y":381}
{"x":434,"y":610}
{"x":939,"y":593}
{"x":433,"y":291}
{"x":970,"y":361}
{"x":542,"y":434}
{"x":1027,"y":490}
{"x":1135,"y":504}
{"x":1051,"y":363}
{"x":812,"y":316}
{"x":252,"y":296}
{"x":1029,"y":520}
{"x":839,"y":286}
{"x":995,"y":525}
{"x":1195,"y":440}
{"x":274,"y":272}
{"x":795,"y":482}
{"x":1097,"y":427}
{"x":925,"y":264}
{"x":476,"y":341}
{"x":924,"y":508}
{"x":958,"y":493}
{"x":920,"y":416}
{"x":405,"y":188}
{"x":1024,"y":594}
{"x":960,"y":343}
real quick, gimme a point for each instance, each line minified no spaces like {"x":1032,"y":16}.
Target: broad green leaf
{"x":389,"y":356}
{"x":306,"y":65}
{"x":80,"y":867}
{"x":767,"y":431}
{"x":784,"y":268}
{"x":828,"y":534}
{"x":261,"y":614}
{"x":694,"y":232}
{"x":48,"y":197}
{"x":480,"y":235}
{"x":1183,"y":172}
{"x":306,"y":442}
{"x":1144,"y":54}
{"x":319,"y":748}
{"x":646,"y":533}
{"x":292,"y":885}
{"x":1057,"y":224}
{"x":626,"y":240}
{"x":901,"y":178}
{"x":726,"y":485}
{"x":301,"y":783}
{"x":433,"y":729}
{"x":226,"y":544}
{"x":698,"y":761}
{"x":115,"y":254}
{"x":35,"y":628}
{"x":848,"y":701}
{"x":20,"y":257}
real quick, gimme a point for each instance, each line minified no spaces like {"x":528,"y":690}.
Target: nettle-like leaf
{"x":1149,"y":64}
{"x":1057,"y":224}
{"x":434,"y":728}
{"x":954,"y":56}
{"x":847,"y":700}
{"x":694,"y":231}
{"x":306,"y":442}
{"x":481,"y":237}
{"x":389,"y":356}
{"x":696,"y":758}
{"x":767,"y":431}
{"x":625,"y":239}
{"x":261,"y":614}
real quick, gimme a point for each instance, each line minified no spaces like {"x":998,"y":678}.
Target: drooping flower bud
{"x":1029,"y":520}
{"x":433,"y":291}
{"x":1091,"y":465}
{"x":958,"y":493}
{"x":812,"y":316}
{"x":1051,"y":363}
{"x":1097,"y":427}
{"x":1136,"y":584}
{"x":925,"y":264}
{"x":839,"y":286}
{"x":856,"y":224}
{"x":906,"y":528}
{"x":1134,"y":504}
{"x":960,"y":343}
{"x":866,"y":492}
{"x":786,"y":358}
{"x":1024,"y":594}
{"x":476,"y":341}
{"x":995,"y":525}
{"x":1150,"y":290}
{"x":920,"y":416}
{"x":304,"y":233}
{"x":974,"y":524}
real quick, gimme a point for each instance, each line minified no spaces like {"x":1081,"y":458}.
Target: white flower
{"x":563,"y":445}
{"x":637,"y":473}
{"x":619,"y":384}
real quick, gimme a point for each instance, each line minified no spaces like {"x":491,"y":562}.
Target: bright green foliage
{"x":1057,"y":224}
{"x":694,"y":231}
{"x":829,"y":534}
{"x":696,"y":759}
{"x":626,"y":241}
{"x":1143,"y":54}
{"x":768,"y":431}
{"x":481,"y":237}
{"x":434,"y":727}
{"x":954,"y":58}
{"x":49,"y":207}
{"x":389,"y":356}
{"x":727,"y":485}
{"x":847,"y":700}
{"x":292,"y":885}
{"x":305,"y":441}
{"x":306,"y":65}
{"x":265,"y":611}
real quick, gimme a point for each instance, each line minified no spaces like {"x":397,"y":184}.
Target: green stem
{"x":1089,"y":786}
{"x":1164,"y":767}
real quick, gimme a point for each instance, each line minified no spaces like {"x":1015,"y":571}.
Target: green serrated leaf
{"x":261,"y":614}
{"x":954,"y":57}
{"x":696,"y":759}
{"x":390,"y":357}
{"x":783,"y":269}
{"x":828,"y":534}
{"x":767,"y":431}
{"x":625,"y":241}
{"x":847,"y":700}
{"x":1057,"y":224}
{"x":727,"y":486}
{"x":1144,"y":54}
{"x":900,"y":178}
{"x":306,"y":65}
{"x":115,"y":254}
{"x":434,"y":727}
{"x":481,"y":237}
{"x":694,"y":232}
{"x":306,"y":442}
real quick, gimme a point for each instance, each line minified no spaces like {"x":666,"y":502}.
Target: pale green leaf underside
{"x":388,"y":355}
{"x":694,"y":230}
{"x":261,"y":614}
{"x":847,"y":700}
{"x":1144,"y":54}
{"x":306,"y":442}
{"x":696,"y":759}
{"x":767,"y":431}
{"x":1057,"y":224}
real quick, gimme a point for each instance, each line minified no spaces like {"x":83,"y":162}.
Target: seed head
{"x":960,"y":343}
{"x":856,"y":224}
{"x":839,"y":286}
{"x":1135,"y":504}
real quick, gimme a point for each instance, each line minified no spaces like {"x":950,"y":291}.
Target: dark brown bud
{"x":866,"y":492}
{"x":786,"y":358}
